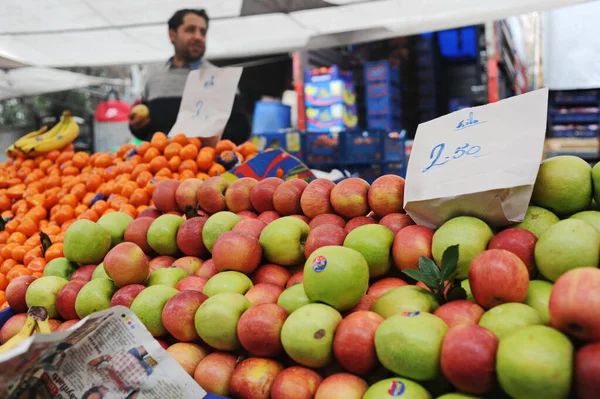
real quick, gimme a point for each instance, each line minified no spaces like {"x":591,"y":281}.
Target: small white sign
{"x":480,"y":161}
{"x":207,"y":102}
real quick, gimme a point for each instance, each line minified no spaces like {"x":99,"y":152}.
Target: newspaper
{"x":108,"y":355}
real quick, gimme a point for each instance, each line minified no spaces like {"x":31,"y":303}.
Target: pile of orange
{"x":48,"y":193}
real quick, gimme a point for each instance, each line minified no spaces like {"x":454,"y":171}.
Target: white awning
{"x":62,"y":33}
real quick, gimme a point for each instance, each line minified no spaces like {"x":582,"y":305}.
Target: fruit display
{"x":288,"y":289}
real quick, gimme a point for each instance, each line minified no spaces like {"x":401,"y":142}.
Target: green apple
{"x":86,"y":242}
{"x":94,"y":296}
{"x":472,"y":236}
{"x":467,"y":287}
{"x":168,"y":276}
{"x":162,"y":234}
{"x":148,"y":306}
{"x":223,"y":310}
{"x":457,"y":395}
{"x":507,"y":318}
{"x":374,"y":242}
{"x":535,"y":362}
{"x":43,"y":291}
{"x":283,"y":239}
{"x":99,"y":272}
{"x":229,"y":281}
{"x":293,"y":298}
{"x":396,"y":387}
{"x":596,"y":182}
{"x":407,"y":298}
{"x":337,"y":276}
{"x":307,"y":334}
{"x":538,"y":297}
{"x":592,"y":217}
{"x":217,"y":224}
{"x":409,"y":344}
{"x":115,"y":223}
{"x":60,"y":267}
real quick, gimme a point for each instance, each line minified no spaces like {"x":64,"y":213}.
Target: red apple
{"x":211,"y":194}
{"x":188,"y":355}
{"x":247,"y":215}
{"x":54,"y":324}
{"x":268,"y":216}
{"x":296,"y":382}
{"x":191,"y":283}
{"x":67,"y":324}
{"x":354,"y":342}
{"x":297,"y":278}
{"x":163,"y":195}
{"x":587,"y":371}
{"x":12,"y":326}
{"x":286,"y":198}
{"x":574,"y":304}
{"x":468,"y":358}
{"x":459,"y":313}
{"x":357,"y":222}
{"x":162,"y":343}
{"x":261,"y":195}
{"x":272,"y":274}
{"x":15,"y":293}
{"x":179,"y":312}
{"x":207,"y":269}
{"x":65,"y":299}
{"x":252,"y":227}
{"x":187,"y":193}
{"x":497,"y":276}
{"x":237,"y":251}
{"x":237,"y":196}
{"x":386,"y":195}
{"x":349,"y":198}
{"x":137,"y":232}
{"x":410,"y":244}
{"x":520,"y":242}
{"x":126,"y":264}
{"x":264,"y":293}
{"x":366,"y":302}
{"x":396,"y":221}
{"x":326,"y":218}
{"x":322,"y":236}
{"x":259,"y":329}
{"x":189,"y":238}
{"x":253,"y":378}
{"x":315,"y":198}
{"x":150,"y":212}
{"x":384,"y":285}
{"x":125,"y":295}
{"x":84,"y":273}
{"x":214,"y":372}
{"x":159,"y":262}
{"x":188,"y":263}
{"x":342,"y":386}
{"x":302,"y":217}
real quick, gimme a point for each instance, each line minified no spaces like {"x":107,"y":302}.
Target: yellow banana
{"x":37,"y":320}
{"x":11,"y":150}
{"x":65,"y":132}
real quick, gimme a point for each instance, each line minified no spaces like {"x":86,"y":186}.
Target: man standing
{"x":164,"y":90}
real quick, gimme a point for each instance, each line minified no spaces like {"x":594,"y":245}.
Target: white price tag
{"x":480,"y":161}
{"x":207,"y":102}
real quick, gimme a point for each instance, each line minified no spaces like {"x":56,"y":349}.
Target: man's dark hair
{"x":177,"y":19}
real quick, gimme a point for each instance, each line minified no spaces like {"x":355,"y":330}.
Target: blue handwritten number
{"x":199,"y":105}
{"x":435,"y":155}
{"x":460,"y":151}
{"x":474,"y":150}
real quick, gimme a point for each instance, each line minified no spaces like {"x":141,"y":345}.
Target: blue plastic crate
{"x":383,"y":106}
{"x":458,"y":43}
{"x":386,"y":123}
{"x":381,"y":71}
{"x":575,"y":131}
{"x":327,"y":74}
{"x":574,"y":117}
{"x":321,"y":148}
{"x":584,"y":97}
{"x":362,"y":146}
{"x":382,"y":90}
{"x":395,"y":146}
{"x":289,"y":141}
{"x":270,"y":116}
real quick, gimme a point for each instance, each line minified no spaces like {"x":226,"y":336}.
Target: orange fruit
{"x":54,"y":251}
{"x":7,"y":265}
{"x":224,"y":145}
{"x":204,"y":160}
{"x":4,"y":236}
{"x":142,"y":148}
{"x":151,"y":154}
{"x":139,"y":197}
{"x":143,"y":167}
{"x":188,"y":164}
{"x":189,"y":152}
{"x":28,"y":227}
{"x":18,"y":253}
{"x":79,"y":209}
{"x":158,"y":163}
{"x":174,"y":163}
{"x":103,"y":161}
{"x":202,"y":176}
{"x":164,"y":172}
{"x":99,"y":207}
{"x":5,"y":203}
{"x":64,"y":214}
{"x":33,"y":253}
{"x":216,"y":170}
{"x":159,"y":141}
{"x":143,"y":179}
{"x":37,"y":265}
{"x":180,"y":138}
{"x":16,"y":237}
{"x":17,"y":271}
{"x":186,"y":174}
{"x":3,"y":282}
{"x":172,"y":150}
{"x":196,"y":142}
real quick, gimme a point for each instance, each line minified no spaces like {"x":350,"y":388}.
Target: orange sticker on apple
{"x":319,"y":264}
{"x":397,"y":388}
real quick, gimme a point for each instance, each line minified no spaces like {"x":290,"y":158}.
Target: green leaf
{"x":429,"y":268}
{"x":2,"y":224}
{"x":46,"y":242}
{"x":449,"y":262}
{"x":431,"y":283}
{"x":455,"y":293}
{"x":190,"y":212}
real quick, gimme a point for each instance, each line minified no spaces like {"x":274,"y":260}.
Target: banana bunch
{"x":12,"y":150}
{"x":63,"y":133}
{"x":37,"y":321}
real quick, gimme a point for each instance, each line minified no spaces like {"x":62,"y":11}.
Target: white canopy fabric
{"x":29,"y":81}
{"x":62,"y":33}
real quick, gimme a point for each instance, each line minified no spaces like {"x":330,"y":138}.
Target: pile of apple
{"x":291,"y":289}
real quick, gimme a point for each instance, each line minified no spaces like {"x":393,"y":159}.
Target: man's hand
{"x":139,"y":116}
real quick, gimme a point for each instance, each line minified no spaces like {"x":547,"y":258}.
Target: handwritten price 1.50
{"x":437,"y":157}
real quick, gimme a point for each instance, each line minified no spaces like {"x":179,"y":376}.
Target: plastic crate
{"x":589,"y":131}
{"x":385,"y":123}
{"x":362,"y":146}
{"x":290,"y":142}
{"x":321,"y":148}
{"x":383,"y":106}
{"x":382,"y":90}
{"x":458,"y":43}
{"x":395,"y":146}
{"x":584,"y":97}
{"x":556,"y":116}
{"x":381,"y":71}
